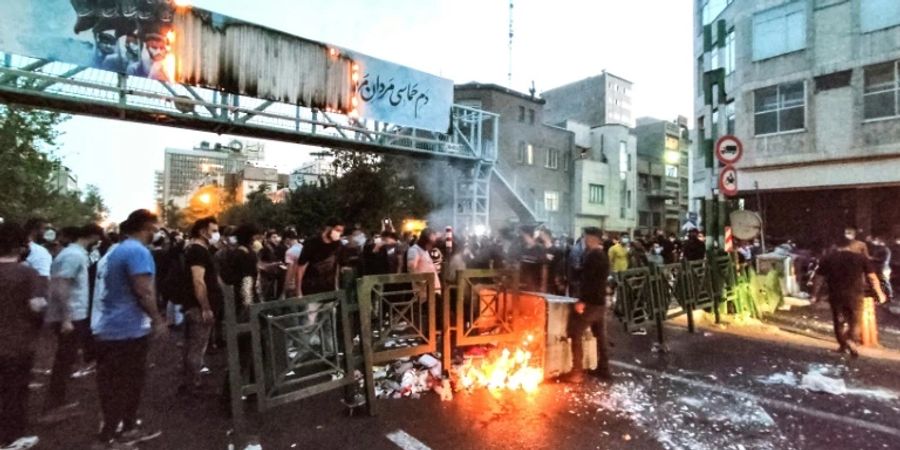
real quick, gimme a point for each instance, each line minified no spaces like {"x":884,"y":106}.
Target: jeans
{"x":594,"y":317}
{"x":67,"y":347}
{"x":121,"y":372}
{"x":196,"y":339}
{"x":15,"y":373}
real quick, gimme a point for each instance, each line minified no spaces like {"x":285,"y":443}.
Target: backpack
{"x":175,"y":283}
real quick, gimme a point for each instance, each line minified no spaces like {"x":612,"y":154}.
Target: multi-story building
{"x":312,"y":173}
{"x":249,"y":180}
{"x":663,"y":179}
{"x":811,"y":87}
{"x":63,"y":180}
{"x":600,"y":100}
{"x":603,"y":177}
{"x":531,"y":182}
{"x":186,"y":170}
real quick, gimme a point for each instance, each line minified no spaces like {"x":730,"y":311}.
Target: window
{"x":729,"y":117}
{"x":700,"y":71}
{"x":566,"y":161}
{"x":624,"y":157}
{"x":643,"y":182}
{"x":878,"y":14}
{"x":531,"y":116}
{"x":672,"y":171}
{"x":552,"y":160}
{"x":671,"y":143}
{"x":714,"y":61}
{"x":596,"y":194}
{"x":644,"y":219}
{"x":656,"y":183}
{"x":730,"y":55}
{"x":628,"y":199}
{"x":522,"y":114}
{"x":880,"y":91}
{"x":779,"y":30}
{"x":657,"y":219}
{"x":780,"y":108}
{"x":711,"y":9}
{"x":551,"y":201}
{"x":525,"y":154}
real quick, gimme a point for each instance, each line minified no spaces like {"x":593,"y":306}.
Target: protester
{"x":618,"y":254}
{"x":22,"y":302}
{"x":590,"y":311}
{"x":202,"y":298}
{"x":318,"y":263}
{"x":555,"y":257}
{"x":38,"y":257}
{"x":855,"y":246}
{"x":129,"y":316}
{"x":845,"y":271}
{"x":419,"y":260}
{"x":382,"y":256}
{"x":694,"y":249}
{"x":531,"y":260}
{"x":67,"y":315}
{"x":272,"y":268}
{"x":291,"y":256}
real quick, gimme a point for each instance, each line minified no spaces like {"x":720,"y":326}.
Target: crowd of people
{"x":105,"y":295}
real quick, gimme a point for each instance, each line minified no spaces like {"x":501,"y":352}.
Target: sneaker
{"x":111,"y":445}
{"x":136,"y":435}
{"x":22,"y":443}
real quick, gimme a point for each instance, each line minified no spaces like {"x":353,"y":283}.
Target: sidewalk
{"x":815,"y":321}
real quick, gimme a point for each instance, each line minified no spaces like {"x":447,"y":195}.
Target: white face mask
{"x":232,"y":240}
{"x":50,"y":236}
{"x":214,"y":239}
{"x":850,"y":236}
{"x":335,"y":236}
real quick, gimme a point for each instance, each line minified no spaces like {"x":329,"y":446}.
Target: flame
{"x":503,"y":369}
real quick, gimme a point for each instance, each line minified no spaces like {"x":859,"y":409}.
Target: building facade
{"x":600,"y":100}
{"x":531,"y":181}
{"x":63,"y":180}
{"x":812,"y":88}
{"x":663,"y":178}
{"x":186,"y":170}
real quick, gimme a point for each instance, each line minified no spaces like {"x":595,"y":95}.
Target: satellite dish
{"x":236,"y":145}
{"x":746,"y":225}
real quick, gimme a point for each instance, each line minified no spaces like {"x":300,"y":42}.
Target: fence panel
{"x":402,"y":314}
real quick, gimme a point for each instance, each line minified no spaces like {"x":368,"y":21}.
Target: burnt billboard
{"x":160,"y":40}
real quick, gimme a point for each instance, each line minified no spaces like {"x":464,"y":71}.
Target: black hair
{"x":91,"y":229}
{"x":333,"y":222}
{"x":424,"y":237}
{"x":270,"y":233}
{"x":33,"y":224}
{"x":593,"y":231}
{"x":290,"y":233}
{"x":70,"y":234}
{"x":137,"y":220}
{"x":202,"y":224}
{"x":245,"y":233}
{"x":12,"y":238}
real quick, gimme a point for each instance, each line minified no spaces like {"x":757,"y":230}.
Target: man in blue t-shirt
{"x":129,"y":316}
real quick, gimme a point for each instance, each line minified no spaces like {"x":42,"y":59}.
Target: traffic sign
{"x":728,"y":181}
{"x":729,"y":240}
{"x":729,"y":150}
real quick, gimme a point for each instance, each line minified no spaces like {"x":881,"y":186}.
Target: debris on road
{"x":408,"y":378}
{"x":826,"y":379}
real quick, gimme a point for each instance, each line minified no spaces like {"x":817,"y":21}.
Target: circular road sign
{"x":729,"y":150}
{"x":728,"y":181}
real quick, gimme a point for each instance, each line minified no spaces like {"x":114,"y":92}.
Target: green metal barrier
{"x":402,"y":312}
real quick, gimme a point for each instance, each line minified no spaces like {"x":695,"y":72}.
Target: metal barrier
{"x":658,"y":293}
{"x":402,"y":315}
{"x":485,"y":310}
{"x":287,"y":350}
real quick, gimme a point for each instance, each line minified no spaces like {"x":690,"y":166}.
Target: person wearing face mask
{"x":655,"y":257}
{"x":129,"y":316}
{"x":855,"y":246}
{"x":318,"y":262}
{"x":418,"y":258}
{"x":293,"y":249}
{"x":618,"y":254}
{"x":39,"y":257}
{"x":201,"y":300}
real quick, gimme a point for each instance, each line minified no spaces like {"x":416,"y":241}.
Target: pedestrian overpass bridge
{"x":158,"y":63}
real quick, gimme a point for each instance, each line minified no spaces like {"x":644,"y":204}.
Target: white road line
{"x":405,"y":441}
{"x":773,"y":403}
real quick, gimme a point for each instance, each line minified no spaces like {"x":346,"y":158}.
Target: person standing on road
{"x":845,"y":271}
{"x":618,"y":254}
{"x":68,"y":315}
{"x":291,"y":256}
{"x":21,"y":305}
{"x":590,"y":310}
{"x":855,"y":245}
{"x":39,"y":257}
{"x":129,"y":317}
{"x":318,"y":262}
{"x":694,"y":248}
{"x":202,"y":297}
{"x":419,"y":260}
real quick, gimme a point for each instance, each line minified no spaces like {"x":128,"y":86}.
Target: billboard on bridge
{"x":158,"y":40}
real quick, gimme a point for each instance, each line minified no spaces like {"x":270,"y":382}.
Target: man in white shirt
{"x":418,"y":258}
{"x":39,"y":258}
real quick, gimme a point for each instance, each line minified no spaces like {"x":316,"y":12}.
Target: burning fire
{"x":503,"y":369}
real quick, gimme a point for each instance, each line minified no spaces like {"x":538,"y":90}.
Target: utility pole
{"x":509,"y":80}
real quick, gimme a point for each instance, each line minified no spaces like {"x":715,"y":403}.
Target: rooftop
{"x":474,"y":86}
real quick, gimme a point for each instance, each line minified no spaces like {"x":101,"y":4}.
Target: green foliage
{"x":367,"y":189}
{"x":26,"y":167}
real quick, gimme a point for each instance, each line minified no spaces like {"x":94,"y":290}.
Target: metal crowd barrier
{"x":655,"y":294}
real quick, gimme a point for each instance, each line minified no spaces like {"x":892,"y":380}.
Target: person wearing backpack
{"x":202,"y":297}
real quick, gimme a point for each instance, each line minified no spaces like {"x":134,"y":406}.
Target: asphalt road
{"x":711,"y":390}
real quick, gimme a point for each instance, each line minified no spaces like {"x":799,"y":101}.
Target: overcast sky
{"x":646,"y":41}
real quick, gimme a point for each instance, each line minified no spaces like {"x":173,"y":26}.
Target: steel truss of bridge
{"x":472,"y":137}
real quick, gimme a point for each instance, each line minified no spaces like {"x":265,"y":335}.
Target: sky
{"x":556,"y":42}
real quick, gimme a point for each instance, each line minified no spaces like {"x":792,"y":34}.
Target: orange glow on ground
{"x":502,"y":369}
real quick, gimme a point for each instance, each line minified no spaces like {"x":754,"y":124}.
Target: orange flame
{"x":507,"y":370}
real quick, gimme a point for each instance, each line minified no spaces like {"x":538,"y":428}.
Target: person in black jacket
{"x":590,"y":310}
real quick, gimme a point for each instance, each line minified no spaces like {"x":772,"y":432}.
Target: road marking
{"x":405,"y":441}
{"x":773,"y":403}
